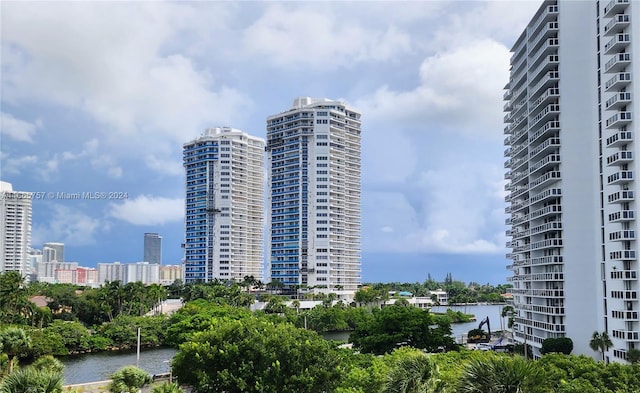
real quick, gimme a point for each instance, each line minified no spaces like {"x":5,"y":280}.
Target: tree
{"x":48,"y":363}
{"x":395,"y":326}
{"x":30,"y":380}
{"x":256,"y":355}
{"x":559,"y":345}
{"x":508,"y":311}
{"x":14,"y":300}
{"x":167,"y":388}
{"x":633,"y":355}
{"x":14,"y":342}
{"x":129,"y":379}
{"x":501,"y":374}
{"x":600,"y":342}
{"x":414,"y":373}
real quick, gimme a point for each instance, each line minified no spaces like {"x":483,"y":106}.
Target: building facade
{"x":313,"y":164}
{"x":144,"y":272}
{"x":170,"y":273}
{"x":115,"y":271}
{"x":224,"y":206}
{"x":152,"y":248}
{"x":15,"y":230}
{"x":53,"y":252}
{"x":570,"y":163}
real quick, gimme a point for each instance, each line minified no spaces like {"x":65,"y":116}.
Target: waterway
{"x":99,"y":366}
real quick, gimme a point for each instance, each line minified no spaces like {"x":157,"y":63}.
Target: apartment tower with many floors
{"x":224,"y":206}
{"x":313,"y":224}
{"x":152,"y":251}
{"x":570,"y":163}
{"x":15,"y":230}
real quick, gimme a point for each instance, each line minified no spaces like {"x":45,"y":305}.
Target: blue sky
{"x":100,"y":97}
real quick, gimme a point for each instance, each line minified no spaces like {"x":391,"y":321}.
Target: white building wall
{"x":15,"y":230}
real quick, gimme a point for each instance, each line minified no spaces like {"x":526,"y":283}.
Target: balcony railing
{"x":618,"y":80}
{"x":623,"y":255}
{"x":617,"y":24}
{"x":622,"y":235}
{"x":622,"y":215}
{"x":619,"y":138}
{"x":619,"y":119}
{"x":619,"y":99}
{"x":620,"y":177}
{"x":618,"y":62}
{"x":618,"y":42}
{"x":615,"y":6}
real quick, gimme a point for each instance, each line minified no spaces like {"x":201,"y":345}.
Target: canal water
{"x":99,"y":366}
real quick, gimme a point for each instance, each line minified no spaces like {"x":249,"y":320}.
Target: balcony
{"x":619,"y":99}
{"x":549,"y":177}
{"x":550,"y":13}
{"x":622,"y":215}
{"x":546,"y":194}
{"x":548,"y":227}
{"x":548,"y":260}
{"x":548,"y":145}
{"x":620,"y":158}
{"x":618,"y":62}
{"x":626,"y":315}
{"x":617,"y":24}
{"x":620,"y":177}
{"x":553,"y":125}
{"x":618,"y":120}
{"x":551,"y":94}
{"x":618,"y":81}
{"x":624,"y":275}
{"x":547,"y":210}
{"x":619,"y":138}
{"x":549,"y":80}
{"x":620,"y":196}
{"x":619,"y":236}
{"x":626,"y":335}
{"x":615,"y":6}
{"x":623,"y":255}
{"x":617,"y":43}
{"x":545,"y":162}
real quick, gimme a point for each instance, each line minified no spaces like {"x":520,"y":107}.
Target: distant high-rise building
{"x":571,"y":165}
{"x":144,"y":272}
{"x":313,"y":163}
{"x":53,"y":252}
{"x":170,"y":273}
{"x":50,"y":271}
{"x":112,"y":272}
{"x":152,"y":248}
{"x":15,"y":230}
{"x":224,"y":206}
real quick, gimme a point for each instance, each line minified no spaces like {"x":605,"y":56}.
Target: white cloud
{"x":319,"y":38}
{"x":168,"y":167}
{"x":18,"y":165}
{"x":68,"y":225}
{"x":114,"y":66}
{"x":148,"y":210}
{"x":448,"y":210}
{"x":17,"y":129}
{"x":460,"y":89}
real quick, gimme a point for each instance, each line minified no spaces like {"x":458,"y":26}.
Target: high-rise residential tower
{"x":52,"y":251}
{"x":313,"y":162}
{"x":152,"y":248}
{"x":224,"y":206}
{"x":15,"y":230}
{"x":570,"y":163}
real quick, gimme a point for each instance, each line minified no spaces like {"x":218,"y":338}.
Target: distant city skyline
{"x":93,"y":123}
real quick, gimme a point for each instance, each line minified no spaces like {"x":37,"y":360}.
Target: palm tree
{"x":48,"y":363}
{"x":128,"y":379}
{"x":167,"y":388}
{"x":30,"y":380}
{"x":14,"y":342}
{"x":415,"y":373}
{"x":504,"y":375}
{"x":633,"y":356}
{"x":600,"y":342}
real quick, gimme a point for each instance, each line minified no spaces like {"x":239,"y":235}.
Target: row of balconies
{"x":550,"y":13}
{"x":550,"y":176}
{"x":544,"y":146}
{"x":551,"y":78}
{"x":628,"y":335}
{"x":620,"y":177}
{"x":550,"y":159}
{"x":550,"y":93}
{"x":542,"y":309}
{"x":550,"y":226}
{"x":631,"y":316}
{"x":549,"y":29}
{"x":555,"y":242}
{"x":627,"y":295}
{"x":538,"y":292}
{"x":546,"y":194}
{"x":549,"y":111}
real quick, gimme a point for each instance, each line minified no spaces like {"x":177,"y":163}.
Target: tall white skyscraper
{"x":570,"y":164}
{"x":313,"y":162}
{"x":15,"y":230}
{"x":152,"y":248}
{"x":224,"y":206}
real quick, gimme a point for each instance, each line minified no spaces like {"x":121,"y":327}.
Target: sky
{"x":100,"y":96}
